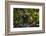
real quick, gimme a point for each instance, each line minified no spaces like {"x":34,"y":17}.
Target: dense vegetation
{"x":25,"y":17}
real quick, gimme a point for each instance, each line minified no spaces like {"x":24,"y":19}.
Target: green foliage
{"x":21,"y":16}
